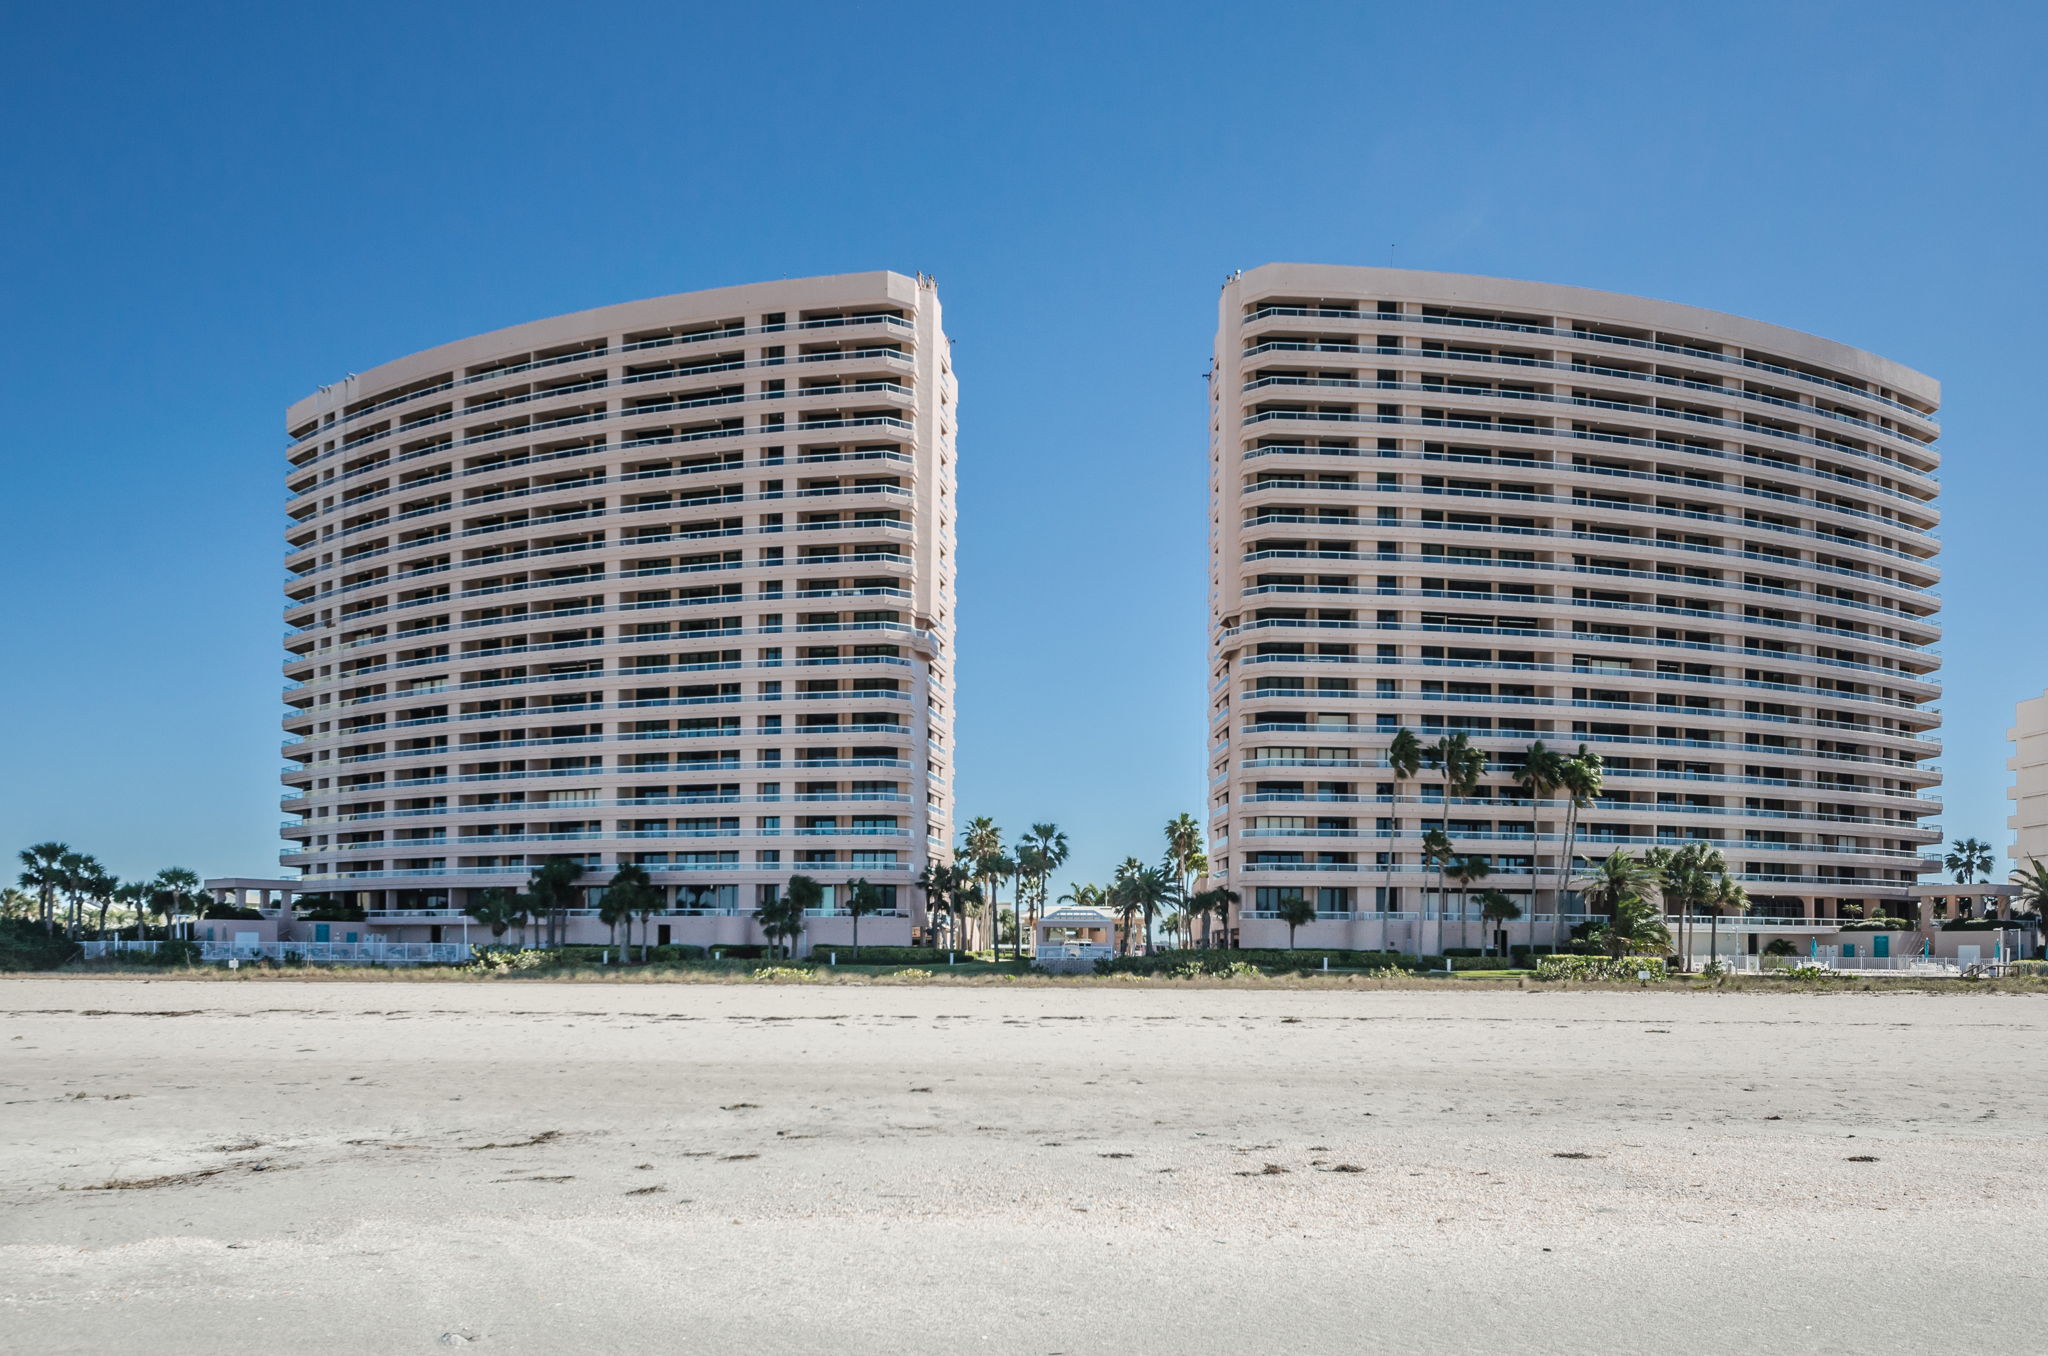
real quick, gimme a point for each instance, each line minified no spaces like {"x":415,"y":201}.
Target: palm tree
{"x":1151,"y":886}
{"x":1538,"y":776}
{"x":44,"y":875}
{"x":1460,"y":761}
{"x":2033,"y":882}
{"x":1052,"y":850}
{"x":781,"y":916}
{"x":1294,"y":909}
{"x":1216,"y":899}
{"x":13,"y":901}
{"x":981,"y":847}
{"x":1465,"y":870}
{"x":101,"y":887}
{"x":1633,"y":922}
{"x":174,"y":890}
{"x":632,"y":894}
{"x":1124,"y":901}
{"x":1404,"y":760}
{"x":1968,"y":858}
{"x":1728,"y":897}
{"x":1002,"y":867}
{"x":1462,"y":765}
{"x":1437,"y":853}
{"x":79,"y":872}
{"x":1626,"y":889}
{"x":1497,"y":908}
{"x":1659,"y":859}
{"x":1580,"y":778}
{"x":614,"y":907}
{"x":1183,"y":845}
{"x":553,"y":891}
{"x":1691,"y":877}
{"x":861,"y":899}
{"x":497,"y":908}
{"x":940,"y":881}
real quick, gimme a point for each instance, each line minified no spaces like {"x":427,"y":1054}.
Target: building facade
{"x":668,"y":583}
{"x":2029,"y":789}
{"x":1699,"y":545}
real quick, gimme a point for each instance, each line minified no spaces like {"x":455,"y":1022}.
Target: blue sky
{"x":212,"y":209}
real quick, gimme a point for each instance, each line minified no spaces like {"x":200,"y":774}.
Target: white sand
{"x":1002,"y":1170}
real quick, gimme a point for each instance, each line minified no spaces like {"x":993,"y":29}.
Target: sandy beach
{"x":389,"y":1167}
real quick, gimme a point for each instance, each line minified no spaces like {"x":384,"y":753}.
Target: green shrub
{"x":880,"y":955}
{"x":504,"y":960}
{"x":675,"y":953}
{"x":1458,"y":951}
{"x":1977,"y":924}
{"x":785,"y":974}
{"x":1170,"y":962}
{"x":740,"y":951}
{"x":1182,"y":965}
{"x":175,"y":953}
{"x":1883,"y":924}
{"x":1624,"y":970}
{"x":25,"y":946}
{"x":230,"y":911}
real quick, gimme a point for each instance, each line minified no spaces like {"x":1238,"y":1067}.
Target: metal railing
{"x":376,"y":952}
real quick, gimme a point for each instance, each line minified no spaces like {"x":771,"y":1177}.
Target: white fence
{"x":312,"y":953}
{"x":1938,"y":966}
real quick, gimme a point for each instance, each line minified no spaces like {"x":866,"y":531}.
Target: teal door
{"x":319,"y":932}
{"x":1849,"y":950}
{"x":1880,"y":946}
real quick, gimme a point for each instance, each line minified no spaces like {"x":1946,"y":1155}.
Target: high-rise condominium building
{"x":667,"y":583}
{"x":2029,"y":789}
{"x":1698,"y":545}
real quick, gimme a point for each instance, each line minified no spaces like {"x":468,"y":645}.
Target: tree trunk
{"x":1564,"y":868}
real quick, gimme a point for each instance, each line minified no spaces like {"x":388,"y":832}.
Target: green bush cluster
{"x":880,"y":955}
{"x":1624,"y":970}
{"x":1185,"y":964}
{"x":1303,"y":961}
{"x":1883,"y":924}
{"x":786,"y":974}
{"x":504,"y":960}
{"x":25,"y":946}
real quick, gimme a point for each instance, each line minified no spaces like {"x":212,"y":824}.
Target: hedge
{"x":1625,"y":970}
{"x":668,"y":954}
{"x":879,"y":955}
